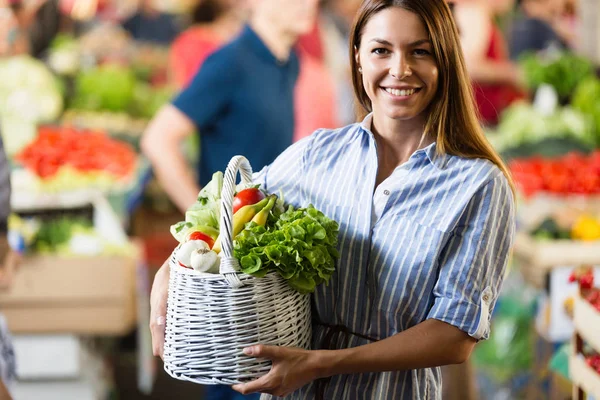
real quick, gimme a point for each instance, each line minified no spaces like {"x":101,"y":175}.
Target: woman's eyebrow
{"x":387,"y":43}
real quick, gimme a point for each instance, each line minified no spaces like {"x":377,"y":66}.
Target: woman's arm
{"x":431,"y":343}
{"x":161,"y":143}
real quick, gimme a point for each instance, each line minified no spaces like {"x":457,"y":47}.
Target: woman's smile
{"x":402,"y":93}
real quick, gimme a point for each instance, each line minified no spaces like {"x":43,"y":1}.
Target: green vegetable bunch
{"x":54,"y":234}
{"x":299,"y":244}
{"x":587,"y":100}
{"x":107,"y":87}
{"x":564,"y":72}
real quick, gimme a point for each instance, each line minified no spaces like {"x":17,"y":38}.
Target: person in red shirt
{"x":216,"y":22}
{"x":497,"y":81}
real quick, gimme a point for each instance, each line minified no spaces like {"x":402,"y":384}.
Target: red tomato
{"x":201,"y":236}
{"x":247,"y":197}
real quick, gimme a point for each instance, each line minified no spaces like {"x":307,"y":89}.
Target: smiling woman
{"x":426,"y":216}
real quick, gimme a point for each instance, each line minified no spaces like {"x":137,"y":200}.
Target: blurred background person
{"x":336,"y":20}
{"x":496,"y":79}
{"x":536,"y":28}
{"x":315,"y":96}
{"x":214,"y":23}
{"x":13,"y":39}
{"x":149,"y":24}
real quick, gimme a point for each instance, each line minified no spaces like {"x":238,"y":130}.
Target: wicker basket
{"x":212,"y":317}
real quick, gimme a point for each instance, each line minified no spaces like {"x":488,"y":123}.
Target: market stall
{"x":551,"y":147}
{"x":71,"y":124}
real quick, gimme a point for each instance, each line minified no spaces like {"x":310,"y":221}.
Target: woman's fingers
{"x":158,"y":309}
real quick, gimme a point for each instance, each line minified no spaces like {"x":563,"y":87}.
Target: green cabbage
{"x":28,"y":90}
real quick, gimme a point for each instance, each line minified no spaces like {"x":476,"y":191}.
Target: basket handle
{"x":229,"y":264}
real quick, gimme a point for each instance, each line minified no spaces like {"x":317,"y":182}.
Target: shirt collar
{"x":256,"y":44}
{"x":438,"y":160}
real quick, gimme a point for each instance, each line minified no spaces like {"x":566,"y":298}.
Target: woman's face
{"x":399,"y":71}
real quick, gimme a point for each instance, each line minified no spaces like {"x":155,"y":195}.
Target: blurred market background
{"x":81,"y":80}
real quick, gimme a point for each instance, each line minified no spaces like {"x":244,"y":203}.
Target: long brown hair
{"x":452,"y":116}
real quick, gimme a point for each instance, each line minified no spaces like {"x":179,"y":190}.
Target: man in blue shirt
{"x":240,"y":102}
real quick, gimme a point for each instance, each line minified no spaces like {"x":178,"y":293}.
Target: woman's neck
{"x":278,"y":41}
{"x":397,"y":140}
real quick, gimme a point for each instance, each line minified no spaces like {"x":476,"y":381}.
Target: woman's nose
{"x":400,"y":68}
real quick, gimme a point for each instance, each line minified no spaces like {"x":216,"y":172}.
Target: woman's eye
{"x":421,"y":52}
{"x":379,"y":51}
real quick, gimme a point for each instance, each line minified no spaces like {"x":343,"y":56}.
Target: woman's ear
{"x":357,"y":58}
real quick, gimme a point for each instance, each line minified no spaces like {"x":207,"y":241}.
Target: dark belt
{"x":333,"y":334}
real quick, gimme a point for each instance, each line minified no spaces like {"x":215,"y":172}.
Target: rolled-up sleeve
{"x":474,"y":260}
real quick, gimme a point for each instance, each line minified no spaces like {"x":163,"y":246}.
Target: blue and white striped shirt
{"x":436,"y":247}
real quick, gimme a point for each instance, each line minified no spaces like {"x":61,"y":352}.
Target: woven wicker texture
{"x":212,"y":317}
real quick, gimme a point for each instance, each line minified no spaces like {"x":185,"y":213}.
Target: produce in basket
{"x":298,"y":243}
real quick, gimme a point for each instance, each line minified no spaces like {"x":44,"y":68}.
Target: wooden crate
{"x":587,"y":329}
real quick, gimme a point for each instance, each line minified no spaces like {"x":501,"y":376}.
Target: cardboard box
{"x":80,"y":295}
{"x":47,"y":356}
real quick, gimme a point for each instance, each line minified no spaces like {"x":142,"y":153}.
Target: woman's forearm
{"x":430,"y":344}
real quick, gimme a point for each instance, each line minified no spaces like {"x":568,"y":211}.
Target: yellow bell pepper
{"x":586,"y":228}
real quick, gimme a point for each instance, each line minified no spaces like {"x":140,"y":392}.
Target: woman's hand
{"x":292,"y":368}
{"x":158,"y":308}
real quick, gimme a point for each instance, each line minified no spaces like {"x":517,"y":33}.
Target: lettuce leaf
{"x":299,"y":244}
{"x":204,"y":215}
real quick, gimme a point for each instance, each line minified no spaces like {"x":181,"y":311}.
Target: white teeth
{"x":398,"y":92}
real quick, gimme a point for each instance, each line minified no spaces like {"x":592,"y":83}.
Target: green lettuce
{"x":204,"y":215}
{"x":299,"y":244}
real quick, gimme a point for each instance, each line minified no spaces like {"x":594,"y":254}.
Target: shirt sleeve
{"x":211,"y":89}
{"x":473,"y":262}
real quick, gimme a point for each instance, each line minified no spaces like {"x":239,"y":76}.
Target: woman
{"x":497,"y":81}
{"x":426,"y":217}
{"x":216,"y":22}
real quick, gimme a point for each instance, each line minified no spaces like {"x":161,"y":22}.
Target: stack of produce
{"x":64,"y":158}
{"x":573,"y":173}
{"x":524,"y":131}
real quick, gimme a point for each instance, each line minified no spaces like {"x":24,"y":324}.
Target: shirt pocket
{"x":404,"y":270}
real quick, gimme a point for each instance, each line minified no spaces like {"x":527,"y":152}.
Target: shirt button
{"x":386,"y":192}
